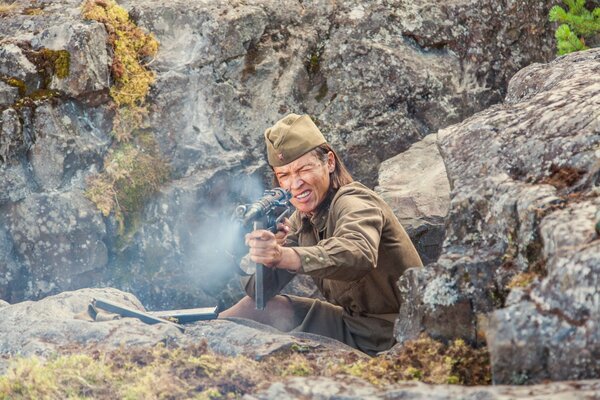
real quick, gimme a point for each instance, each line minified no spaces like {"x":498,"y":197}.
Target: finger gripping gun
{"x":265,"y":213}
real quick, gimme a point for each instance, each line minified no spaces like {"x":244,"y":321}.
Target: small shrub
{"x":132,"y":173}
{"x":577,"y":24}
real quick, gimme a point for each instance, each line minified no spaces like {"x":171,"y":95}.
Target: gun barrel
{"x":249,"y":213}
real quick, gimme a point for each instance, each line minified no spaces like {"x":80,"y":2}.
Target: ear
{"x":330,"y":162}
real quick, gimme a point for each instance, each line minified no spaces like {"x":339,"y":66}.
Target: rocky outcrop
{"x":414,"y":183}
{"x":377,"y":77}
{"x":524,"y":178}
{"x":357,"y":389}
{"x":60,"y":328}
{"x":58,"y":323}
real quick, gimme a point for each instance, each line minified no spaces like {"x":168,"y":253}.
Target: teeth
{"x":302,"y":195}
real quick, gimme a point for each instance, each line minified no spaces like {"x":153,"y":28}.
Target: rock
{"x":284,"y":57}
{"x":58,"y":323}
{"x":524,"y":176}
{"x":325,"y":388}
{"x":8,"y":94}
{"x":4,"y":304}
{"x":60,"y":244}
{"x":89,"y":61}
{"x":235,"y":336}
{"x":69,"y":140}
{"x":415,"y":185}
{"x":554,"y":328}
{"x":16,"y":65}
{"x":318,"y":388}
{"x":11,"y":140}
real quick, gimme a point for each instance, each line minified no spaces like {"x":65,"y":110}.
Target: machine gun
{"x":265,"y":213}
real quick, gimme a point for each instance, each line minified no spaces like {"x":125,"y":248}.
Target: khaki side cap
{"x":290,"y":138}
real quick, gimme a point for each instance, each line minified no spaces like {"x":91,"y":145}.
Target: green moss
{"x":301,"y":368}
{"x":50,"y":63}
{"x":32,"y":99}
{"x":194,"y":372}
{"x":417,"y":374}
{"x":133,"y":172}
{"x":14,"y":82}
{"x":131,"y":47}
{"x":426,"y":360}
{"x":62,"y":63}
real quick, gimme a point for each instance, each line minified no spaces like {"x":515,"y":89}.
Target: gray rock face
{"x":375,"y":77}
{"x":8,"y":94}
{"x":11,"y":141}
{"x":524,"y":178}
{"x":357,"y":68}
{"x":88,"y":58}
{"x":60,"y":244}
{"x":15,"y":64}
{"x":415,"y":185}
{"x":70,"y":140}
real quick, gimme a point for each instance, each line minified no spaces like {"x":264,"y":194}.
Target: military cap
{"x":290,"y":138}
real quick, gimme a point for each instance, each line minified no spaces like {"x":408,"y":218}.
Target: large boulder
{"x":58,"y":323}
{"x":524,"y":178}
{"x":415,"y":185}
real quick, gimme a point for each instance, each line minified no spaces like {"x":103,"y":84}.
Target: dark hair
{"x":340,"y":175}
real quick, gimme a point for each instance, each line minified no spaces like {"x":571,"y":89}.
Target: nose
{"x":296,"y":182}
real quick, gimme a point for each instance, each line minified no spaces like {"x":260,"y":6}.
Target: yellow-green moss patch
{"x":195,"y":372}
{"x":522,"y":280}
{"x":50,"y":63}
{"x":33,"y":11}
{"x":131,"y":47}
{"x":14,"y":82}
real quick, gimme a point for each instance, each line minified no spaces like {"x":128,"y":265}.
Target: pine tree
{"x":577,"y":24}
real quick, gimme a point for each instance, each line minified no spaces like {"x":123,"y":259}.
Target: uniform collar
{"x":319,"y":218}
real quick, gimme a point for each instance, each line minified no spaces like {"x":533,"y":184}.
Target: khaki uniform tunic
{"x":355,"y":250}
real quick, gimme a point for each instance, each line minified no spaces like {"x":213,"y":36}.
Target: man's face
{"x":307,"y":179}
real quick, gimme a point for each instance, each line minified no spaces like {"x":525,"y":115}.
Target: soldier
{"x":342,"y":234}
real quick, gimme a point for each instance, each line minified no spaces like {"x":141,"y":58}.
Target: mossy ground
{"x":194,"y":372}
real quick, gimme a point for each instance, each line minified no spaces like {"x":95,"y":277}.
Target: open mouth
{"x":303,"y":195}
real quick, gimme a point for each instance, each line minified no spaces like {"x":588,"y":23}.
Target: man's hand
{"x":265,"y":248}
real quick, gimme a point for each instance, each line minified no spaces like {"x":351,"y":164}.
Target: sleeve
{"x":351,"y":250}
